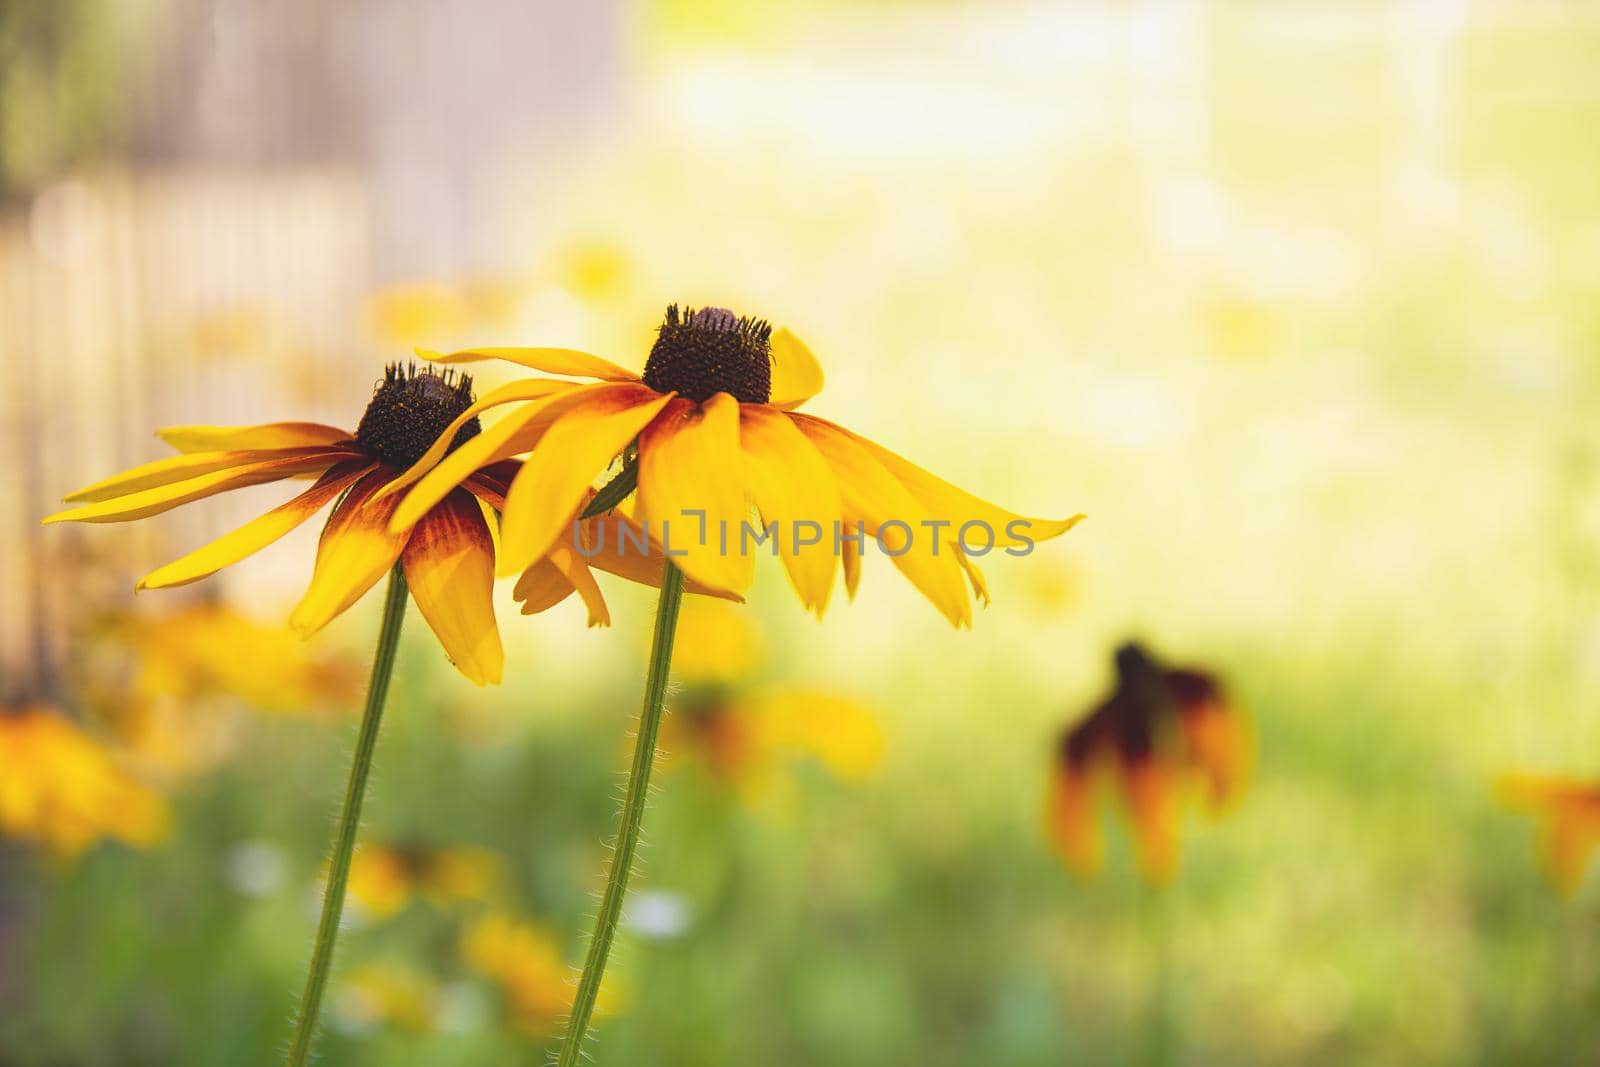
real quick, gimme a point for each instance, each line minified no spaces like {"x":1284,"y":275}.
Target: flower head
{"x":1570,"y":811}
{"x":708,"y":431}
{"x":385,"y":878}
{"x":447,"y":552}
{"x":389,"y":995}
{"x":59,"y":787}
{"x":525,"y":961}
{"x":1159,"y":731}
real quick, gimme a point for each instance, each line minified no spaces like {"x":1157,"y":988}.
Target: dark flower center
{"x":699,"y":354}
{"x":410,"y":409}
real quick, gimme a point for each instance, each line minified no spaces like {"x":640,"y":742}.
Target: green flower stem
{"x":644,"y":754}
{"x":394,"y":613}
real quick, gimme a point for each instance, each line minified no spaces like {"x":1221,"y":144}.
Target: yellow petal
{"x":555,"y":476}
{"x":611,"y":544}
{"x":266,"y":435}
{"x":177,"y":469}
{"x":526,"y":389}
{"x":541,"y":587}
{"x":146,"y":502}
{"x":567,"y":361}
{"x":850,"y":560}
{"x":792,"y":485}
{"x":356,"y":550}
{"x":980,"y":585}
{"x":872,"y":496}
{"x":796,"y":374}
{"x":574,"y":570}
{"x":449,"y":565}
{"x":689,"y":461}
{"x":254,"y":535}
{"x":956,"y":506}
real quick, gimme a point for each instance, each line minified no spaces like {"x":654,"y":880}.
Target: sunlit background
{"x":1299,"y":302}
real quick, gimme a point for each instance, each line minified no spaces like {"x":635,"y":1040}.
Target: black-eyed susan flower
{"x":62,"y":789}
{"x":524,"y":960}
{"x":384,"y":878}
{"x":709,"y":430}
{"x":1570,"y":812}
{"x":740,"y":733}
{"x":447,"y":553}
{"x":1158,"y":734}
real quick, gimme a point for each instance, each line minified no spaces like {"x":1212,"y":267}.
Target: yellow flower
{"x":715,"y":645}
{"x":739,"y":738}
{"x":59,"y":787}
{"x":1159,"y":731}
{"x":447,"y":552}
{"x":709,"y":428}
{"x":1570,"y":810}
{"x":391,"y":995}
{"x":524,"y":960}
{"x":385,"y":878}
{"x":405,"y":313}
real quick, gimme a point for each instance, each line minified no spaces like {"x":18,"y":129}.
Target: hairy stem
{"x":644,"y":752}
{"x":394,"y":612}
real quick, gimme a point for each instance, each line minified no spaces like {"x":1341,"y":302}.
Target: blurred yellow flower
{"x":1242,"y":329}
{"x":594,"y":270}
{"x":525,"y":961}
{"x":388,"y":995}
{"x":62,"y":789}
{"x":385,"y":878}
{"x":707,"y":429}
{"x":1570,"y":811}
{"x":420,"y":312}
{"x":716,"y":644}
{"x":1158,"y":732}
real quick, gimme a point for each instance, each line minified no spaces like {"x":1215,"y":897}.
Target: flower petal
{"x":796,"y":374}
{"x":611,"y":543}
{"x":873,"y":496}
{"x":850,"y":560}
{"x":541,"y":587}
{"x":356,"y":550}
{"x":517,"y":432}
{"x":449,"y":565}
{"x":266,"y":435}
{"x":153,"y":501}
{"x":510,"y":393}
{"x":254,"y":535}
{"x":567,"y":361}
{"x":691,"y":491}
{"x":1070,"y":819}
{"x":980,"y":585}
{"x":947,"y":503}
{"x":792,"y":484}
{"x":181,"y":468}
{"x":555,"y":475}
{"x":575,"y":571}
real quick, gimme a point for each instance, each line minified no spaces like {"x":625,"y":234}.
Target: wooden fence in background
{"x":131,"y":301}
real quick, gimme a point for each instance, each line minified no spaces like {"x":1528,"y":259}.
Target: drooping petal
{"x":576,"y":571}
{"x":449,"y":565}
{"x":356,"y":550}
{"x":796,"y":374}
{"x":1151,"y":795}
{"x":541,"y":587}
{"x":614,"y":543}
{"x":174,"y":469}
{"x":567,"y":361}
{"x":153,"y":501}
{"x":792,"y":485}
{"x":556,"y":474}
{"x":254,"y":535}
{"x":872,"y":496}
{"x":240,"y":438}
{"x":692,"y":490}
{"x":850,"y":561}
{"x":947,"y":503}
{"x":1070,"y":819}
{"x":980,"y":585}
{"x":511,"y":393}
